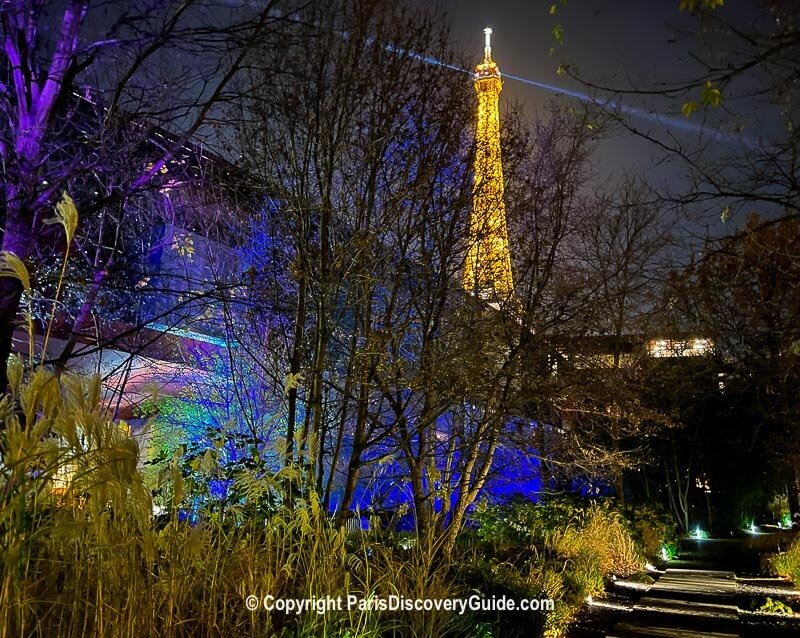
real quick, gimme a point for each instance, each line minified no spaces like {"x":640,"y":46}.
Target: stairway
{"x":685,"y":603}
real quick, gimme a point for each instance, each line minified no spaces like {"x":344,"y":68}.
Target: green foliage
{"x":482,"y":630}
{"x":698,"y":532}
{"x":81,"y":554}
{"x":558,"y":33}
{"x":654,"y":531}
{"x":778,"y":507}
{"x":562,"y":548}
{"x":521,"y":522}
{"x":74,"y":507}
{"x":710,"y":95}
{"x":602,"y":545}
{"x":787,"y":564}
{"x":689,"y":107}
{"x":776,"y":607}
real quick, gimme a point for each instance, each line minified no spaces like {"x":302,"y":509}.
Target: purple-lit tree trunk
{"x":76,"y":109}
{"x":36,"y":96}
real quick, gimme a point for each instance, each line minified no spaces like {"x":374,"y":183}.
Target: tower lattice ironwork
{"x":487,"y":271}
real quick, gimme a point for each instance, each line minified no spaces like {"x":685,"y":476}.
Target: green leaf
{"x":553,"y":9}
{"x":208,"y":462}
{"x":710,"y":95}
{"x":558,"y":33}
{"x":689,"y":108}
{"x":562,"y":69}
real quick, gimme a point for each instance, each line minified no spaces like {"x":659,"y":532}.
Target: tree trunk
{"x":16,"y":239}
{"x":468,"y":492}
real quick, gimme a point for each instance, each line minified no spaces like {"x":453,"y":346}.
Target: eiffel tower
{"x":487,"y":271}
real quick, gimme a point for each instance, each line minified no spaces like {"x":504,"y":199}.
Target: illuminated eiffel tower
{"x":487,"y":271}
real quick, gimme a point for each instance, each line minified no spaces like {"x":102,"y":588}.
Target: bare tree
{"x":362,"y":145}
{"x":83,"y":93}
{"x":740,"y":102}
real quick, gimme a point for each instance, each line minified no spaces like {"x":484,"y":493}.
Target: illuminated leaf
{"x":12,"y":266}
{"x":208,"y":462}
{"x":689,"y":108}
{"x":561,"y":70}
{"x":292,"y":382}
{"x":711,"y":96}
{"x":14,"y":371}
{"x":553,"y":9}
{"x":66,"y":215}
{"x":558,"y":33}
{"x":183,"y":244}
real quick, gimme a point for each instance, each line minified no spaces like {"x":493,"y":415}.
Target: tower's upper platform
{"x":488,"y":68}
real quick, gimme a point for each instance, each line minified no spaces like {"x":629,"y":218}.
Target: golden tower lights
{"x":487,"y":271}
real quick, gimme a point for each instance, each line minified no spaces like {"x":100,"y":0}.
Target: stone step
{"x":640,"y":630}
{"x":685,"y":607}
{"x":685,"y":603}
{"x":693,"y":581}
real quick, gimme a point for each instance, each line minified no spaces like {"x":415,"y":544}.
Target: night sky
{"x":615,"y":43}
{"x":625,"y":43}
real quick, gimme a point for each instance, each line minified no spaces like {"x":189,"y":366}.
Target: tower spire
{"x":487,"y":271}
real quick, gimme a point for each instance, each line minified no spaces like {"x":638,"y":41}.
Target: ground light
{"x":698,"y":533}
{"x":606,"y":604}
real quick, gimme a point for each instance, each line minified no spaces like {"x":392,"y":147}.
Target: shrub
{"x":771,"y":606}
{"x":787,"y":564}
{"x":523,"y":523}
{"x":81,"y":555}
{"x":561,"y":549}
{"x":604,"y":539}
{"x":770,"y":543}
{"x":654,"y":530}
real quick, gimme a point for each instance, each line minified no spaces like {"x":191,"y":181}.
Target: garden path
{"x":685,"y":603}
{"x":698,"y":597}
